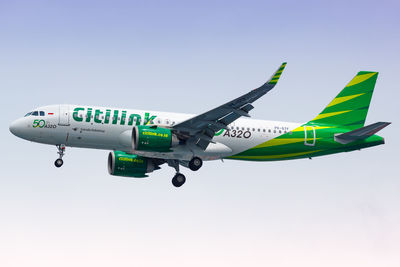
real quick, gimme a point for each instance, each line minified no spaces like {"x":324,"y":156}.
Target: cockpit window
{"x":35,"y":113}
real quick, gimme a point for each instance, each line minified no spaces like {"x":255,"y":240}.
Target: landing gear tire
{"x":58,"y":163}
{"x":61,"y":151}
{"x":195,"y":163}
{"x":178,"y":180}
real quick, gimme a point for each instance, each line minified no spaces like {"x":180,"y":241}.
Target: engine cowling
{"x":153,"y":138}
{"x":129,"y":165}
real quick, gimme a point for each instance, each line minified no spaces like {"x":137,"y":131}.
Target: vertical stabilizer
{"x":350,"y":107}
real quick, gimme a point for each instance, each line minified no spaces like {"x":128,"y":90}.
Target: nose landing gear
{"x":61,"y":151}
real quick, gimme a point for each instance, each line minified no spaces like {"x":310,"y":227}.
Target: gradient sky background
{"x":339,"y":210}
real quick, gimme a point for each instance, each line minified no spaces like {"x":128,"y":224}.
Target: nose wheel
{"x":61,"y":151}
{"x":58,"y":163}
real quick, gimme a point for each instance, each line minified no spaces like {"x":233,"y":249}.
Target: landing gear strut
{"x":179,"y":179}
{"x":61,"y":151}
{"x":195,"y":163}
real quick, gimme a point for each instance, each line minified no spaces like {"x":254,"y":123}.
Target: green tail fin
{"x":350,"y":107}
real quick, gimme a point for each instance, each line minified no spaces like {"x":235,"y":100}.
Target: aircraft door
{"x":309,"y":135}
{"x":63,"y":115}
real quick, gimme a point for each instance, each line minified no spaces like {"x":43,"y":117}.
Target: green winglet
{"x":274,"y":79}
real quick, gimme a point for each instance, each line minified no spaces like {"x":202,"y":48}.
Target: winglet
{"x":274,"y":79}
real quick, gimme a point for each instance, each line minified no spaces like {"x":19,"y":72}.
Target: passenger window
{"x":269,"y":130}
{"x":254,"y":129}
{"x":35,"y":113}
{"x":264,"y":130}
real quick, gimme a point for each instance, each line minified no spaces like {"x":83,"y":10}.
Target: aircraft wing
{"x":200,"y":129}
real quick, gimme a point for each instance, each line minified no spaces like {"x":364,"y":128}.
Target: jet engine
{"x":130,"y":165}
{"x":153,"y":138}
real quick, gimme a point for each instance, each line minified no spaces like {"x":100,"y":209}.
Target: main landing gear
{"x":179,"y":179}
{"x":195,"y":163}
{"x":61,"y":151}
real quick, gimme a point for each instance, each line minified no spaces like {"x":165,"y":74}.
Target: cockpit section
{"x":35,"y":113}
{"x":38,"y":125}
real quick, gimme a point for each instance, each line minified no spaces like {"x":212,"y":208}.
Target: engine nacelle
{"x":153,"y":138}
{"x":129,"y":165}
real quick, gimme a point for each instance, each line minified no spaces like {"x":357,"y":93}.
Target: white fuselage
{"x":111,"y":128}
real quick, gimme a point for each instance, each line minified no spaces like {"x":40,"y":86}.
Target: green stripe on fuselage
{"x":292,"y":145}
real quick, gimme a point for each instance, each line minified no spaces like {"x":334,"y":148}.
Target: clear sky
{"x":190,"y":56}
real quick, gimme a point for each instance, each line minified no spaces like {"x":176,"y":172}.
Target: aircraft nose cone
{"x":16,"y":128}
{"x":13,"y":127}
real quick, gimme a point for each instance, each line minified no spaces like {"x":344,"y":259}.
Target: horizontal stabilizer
{"x":361,"y":133}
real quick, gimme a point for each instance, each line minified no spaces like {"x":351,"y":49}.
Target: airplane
{"x":141,"y":141}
